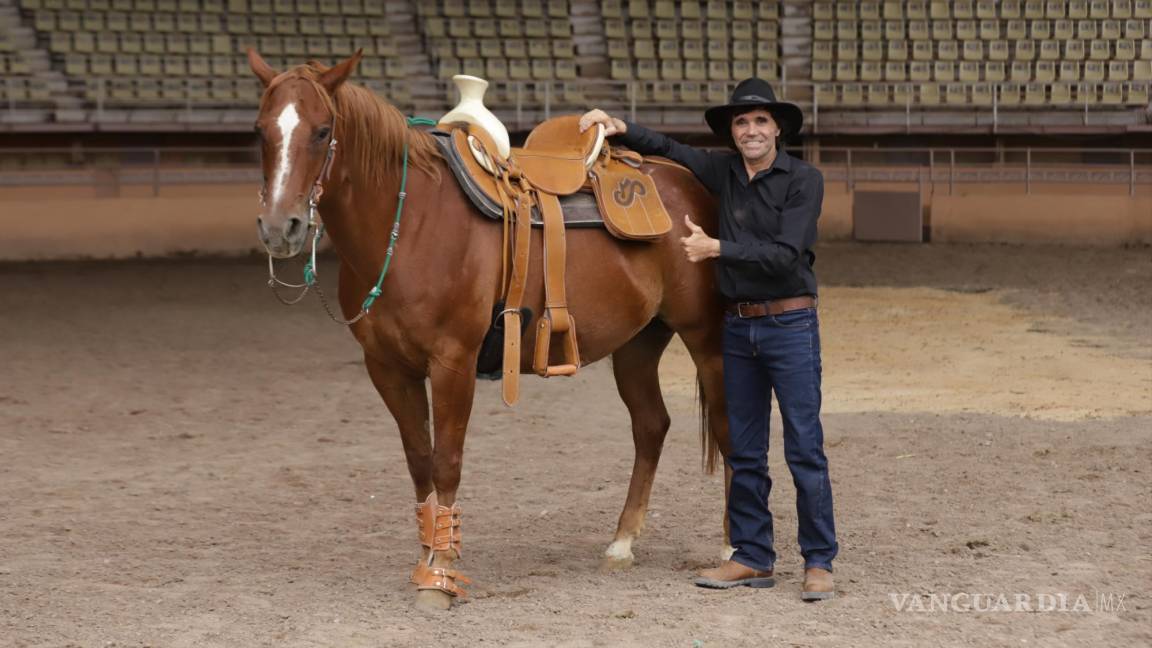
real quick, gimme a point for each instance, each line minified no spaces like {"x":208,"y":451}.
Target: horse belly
{"x":614,"y":289}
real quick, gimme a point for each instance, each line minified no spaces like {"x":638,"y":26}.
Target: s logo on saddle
{"x":627,"y":190}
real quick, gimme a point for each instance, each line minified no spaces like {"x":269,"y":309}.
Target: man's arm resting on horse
{"x":709,"y":167}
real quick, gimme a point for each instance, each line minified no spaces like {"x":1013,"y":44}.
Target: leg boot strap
{"x":437,"y":578}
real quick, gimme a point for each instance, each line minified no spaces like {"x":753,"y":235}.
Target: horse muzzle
{"x":283,"y":238}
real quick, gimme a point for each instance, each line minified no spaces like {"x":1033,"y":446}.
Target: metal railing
{"x":156,"y":167}
{"x":522,"y":103}
{"x":1021,"y":165}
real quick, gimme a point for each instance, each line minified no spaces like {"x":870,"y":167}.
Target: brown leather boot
{"x":817,"y":585}
{"x":733,"y":574}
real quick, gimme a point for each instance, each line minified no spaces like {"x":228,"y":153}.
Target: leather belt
{"x":773,"y":307}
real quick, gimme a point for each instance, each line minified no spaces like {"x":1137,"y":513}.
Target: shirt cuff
{"x":730,"y":250}
{"x":634,"y":134}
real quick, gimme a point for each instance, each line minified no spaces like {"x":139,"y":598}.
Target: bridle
{"x":311,"y":276}
{"x":314,"y":196}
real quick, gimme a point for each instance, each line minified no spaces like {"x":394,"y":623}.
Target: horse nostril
{"x":293,"y":228}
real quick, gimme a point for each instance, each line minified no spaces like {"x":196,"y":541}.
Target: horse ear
{"x":337,"y":74}
{"x":261,"y":68}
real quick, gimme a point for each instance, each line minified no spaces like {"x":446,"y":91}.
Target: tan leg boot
{"x":818,"y":585}
{"x":733,"y":574}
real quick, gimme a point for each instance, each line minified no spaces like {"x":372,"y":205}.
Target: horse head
{"x":296,"y":126}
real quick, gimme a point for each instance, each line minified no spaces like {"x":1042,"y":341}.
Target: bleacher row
{"x":982,"y":9}
{"x":269,"y":7}
{"x":525,"y":48}
{"x":992,"y":71}
{"x":1009,"y":52}
{"x":882,"y":54}
{"x":717,"y":40}
{"x":505,"y":40}
{"x":986,"y":95}
{"x":195,"y":48}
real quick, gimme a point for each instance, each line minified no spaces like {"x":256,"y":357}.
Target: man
{"x":769,"y":204}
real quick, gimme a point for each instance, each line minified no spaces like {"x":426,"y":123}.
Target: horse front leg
{"x":406,"y":396}
{"x":453,"y":386}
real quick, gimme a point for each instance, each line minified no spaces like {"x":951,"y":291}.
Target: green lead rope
{"x":310,"y":267}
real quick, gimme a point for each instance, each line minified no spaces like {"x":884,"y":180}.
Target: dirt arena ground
{"x":184,"y":462}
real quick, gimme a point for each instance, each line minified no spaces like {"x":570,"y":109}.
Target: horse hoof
{"x":609,"y":565}
{"x":433,"y":601}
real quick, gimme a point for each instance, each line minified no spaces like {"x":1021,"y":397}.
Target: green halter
{"x":310,"y":268}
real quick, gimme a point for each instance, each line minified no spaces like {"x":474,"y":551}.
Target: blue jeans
{"x":778,"y":354}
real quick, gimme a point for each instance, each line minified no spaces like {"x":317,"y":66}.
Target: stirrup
{"x":571,"y":363}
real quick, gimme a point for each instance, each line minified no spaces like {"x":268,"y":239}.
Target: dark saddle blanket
{"x":580,"y":209}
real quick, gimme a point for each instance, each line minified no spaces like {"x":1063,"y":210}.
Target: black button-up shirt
{"x":767,"y":223}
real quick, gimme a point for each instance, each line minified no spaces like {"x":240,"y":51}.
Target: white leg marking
{"x":727,"y":551}
{"x":288,"y":120}
{"x":619,"y":550}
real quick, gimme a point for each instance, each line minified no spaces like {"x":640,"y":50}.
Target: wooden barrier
{"x":44,"y":223}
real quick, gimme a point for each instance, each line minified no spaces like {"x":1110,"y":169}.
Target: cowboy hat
{"x":754,"y":93}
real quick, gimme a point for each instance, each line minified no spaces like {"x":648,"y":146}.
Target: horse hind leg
{"x":635,"y":367}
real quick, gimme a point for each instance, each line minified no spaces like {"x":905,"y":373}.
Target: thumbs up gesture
{"x":698,"y":246}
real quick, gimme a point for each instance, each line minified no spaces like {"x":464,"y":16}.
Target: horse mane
{"x":372,"y":131}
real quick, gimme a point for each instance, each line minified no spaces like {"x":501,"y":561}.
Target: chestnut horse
{"x":436,"y":302}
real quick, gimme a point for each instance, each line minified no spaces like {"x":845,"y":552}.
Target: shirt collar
{"x":783,"y":163}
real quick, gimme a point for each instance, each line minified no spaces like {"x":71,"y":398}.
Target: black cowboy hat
{"x":755,"y":93}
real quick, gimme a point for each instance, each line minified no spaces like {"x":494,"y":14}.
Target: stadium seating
{"x":137,"y":52}
{"x":523,"y":47}
{"x":677,"y":45}
{"x":1064,"y":45}
{"x":663,"y":55}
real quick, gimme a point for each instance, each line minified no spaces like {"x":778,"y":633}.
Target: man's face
{"x":755,"y":134}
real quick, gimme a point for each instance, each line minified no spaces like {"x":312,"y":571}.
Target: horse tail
{"x":709,"y":449}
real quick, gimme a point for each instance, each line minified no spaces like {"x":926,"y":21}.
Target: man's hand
{"x":612,"y":126}
{"x":698,"y":245}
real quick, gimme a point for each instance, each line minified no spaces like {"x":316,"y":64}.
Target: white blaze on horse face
{"x":288,"y":120}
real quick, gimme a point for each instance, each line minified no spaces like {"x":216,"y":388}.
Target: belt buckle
{"x":740,"y":309}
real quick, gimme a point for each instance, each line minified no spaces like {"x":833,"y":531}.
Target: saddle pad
{"x":628,"y":201}
{"x":579,"y":209}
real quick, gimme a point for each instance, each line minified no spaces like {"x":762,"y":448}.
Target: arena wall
{"x":69,"y":223}
{"x":1043,"y":218}
{"x":42,"y":223}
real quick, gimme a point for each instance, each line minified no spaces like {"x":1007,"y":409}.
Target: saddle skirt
{"x":609,"y":190}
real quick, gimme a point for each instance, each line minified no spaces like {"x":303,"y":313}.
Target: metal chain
{"x":287,"y":302}
{"x":331,"y":314}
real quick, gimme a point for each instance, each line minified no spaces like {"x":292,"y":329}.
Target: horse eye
{"x":322,"y":133}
